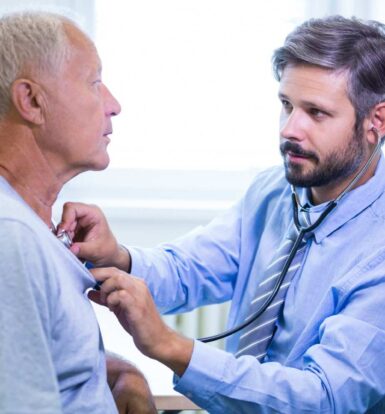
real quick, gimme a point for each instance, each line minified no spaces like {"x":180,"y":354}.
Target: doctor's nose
{"x":291,"y":126}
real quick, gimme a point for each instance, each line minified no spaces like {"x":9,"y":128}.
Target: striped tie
{"x":257,"y":336}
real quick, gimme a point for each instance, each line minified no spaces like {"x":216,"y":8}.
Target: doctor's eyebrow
{"x":283,"y":96}
{"x":309,"y":104}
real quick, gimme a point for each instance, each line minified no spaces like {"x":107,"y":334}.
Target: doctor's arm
{"x":341,"y":371}
{"x":130,"y":300}
{"x":181,"y":275}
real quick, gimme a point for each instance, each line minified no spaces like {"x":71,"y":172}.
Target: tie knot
{"x":308,"y":235}
{"x":293,"y":233}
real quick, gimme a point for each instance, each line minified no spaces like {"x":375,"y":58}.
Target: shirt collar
{"x":350,"y":205}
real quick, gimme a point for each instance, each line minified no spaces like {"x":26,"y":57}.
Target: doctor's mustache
{"x":296,"y":149}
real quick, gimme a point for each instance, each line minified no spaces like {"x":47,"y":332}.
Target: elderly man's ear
{"x":27,"y":99}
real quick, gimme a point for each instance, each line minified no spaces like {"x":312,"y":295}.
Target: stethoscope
{"x":66,"y":239}
{"x":298,"y":208}
{"x":302,"y":230}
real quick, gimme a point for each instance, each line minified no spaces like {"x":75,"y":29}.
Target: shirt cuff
{"x":137,"y":261}
{"x":204,"y":375}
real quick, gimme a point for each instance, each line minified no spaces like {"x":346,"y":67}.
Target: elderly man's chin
{"x":103,"y":164}
{"x":98,"y":163}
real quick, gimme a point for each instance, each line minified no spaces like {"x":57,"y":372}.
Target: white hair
{"x":30,"y":43}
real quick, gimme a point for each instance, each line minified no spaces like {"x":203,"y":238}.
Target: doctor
{"x":320,"y":345}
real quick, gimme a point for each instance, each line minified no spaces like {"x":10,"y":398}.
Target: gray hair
{"x":30,"y":43}
{"x":341,"y":44}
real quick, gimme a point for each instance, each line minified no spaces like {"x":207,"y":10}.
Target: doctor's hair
{"x":348,"y":45}
{"x":31,"y":44}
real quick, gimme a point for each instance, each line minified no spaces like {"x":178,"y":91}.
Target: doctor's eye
{"x":317,"y":113}
{"x":286,"y":105}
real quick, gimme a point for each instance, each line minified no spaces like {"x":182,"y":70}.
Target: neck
{"x":332,"y":191}
{"x":26,"y":169}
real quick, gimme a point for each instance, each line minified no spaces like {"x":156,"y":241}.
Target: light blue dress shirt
{"x":328,"y":353}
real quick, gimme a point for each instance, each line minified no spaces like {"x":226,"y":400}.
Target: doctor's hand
{"x":129,"y":298}
{"x":92,"y":237}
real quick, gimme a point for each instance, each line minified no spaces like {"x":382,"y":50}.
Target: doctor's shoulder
{"x":268,"y":184}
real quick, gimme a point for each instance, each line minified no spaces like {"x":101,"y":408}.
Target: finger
{"x":70,"y":216}
{"x":101,"y":274}
{"x":119,"y":299}
{"x":84,"y":250}
{"x":111,"y":278}
{"x":79,"y":213}
{"x":116,"y":284}
{"x":75,"y":249}
{"x":98,"y":296}
{"x":95,"y":296}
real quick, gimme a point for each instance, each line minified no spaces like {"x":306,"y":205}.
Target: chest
{"x":75,"y":337}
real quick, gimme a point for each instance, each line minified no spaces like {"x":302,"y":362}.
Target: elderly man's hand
{"x":92,"y":238}
{"x":129,"y":388}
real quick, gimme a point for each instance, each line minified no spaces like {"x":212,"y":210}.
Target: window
{"x":195,"y":82}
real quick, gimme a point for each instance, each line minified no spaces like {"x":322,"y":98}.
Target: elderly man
{"x":55,"y":121}
{"x":318,"y":276}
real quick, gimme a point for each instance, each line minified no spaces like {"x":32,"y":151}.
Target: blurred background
{"x":199,"y":114}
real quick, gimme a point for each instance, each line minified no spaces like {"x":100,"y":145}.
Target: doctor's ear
{"x":27,"y":98}
{"x":376,"y":124}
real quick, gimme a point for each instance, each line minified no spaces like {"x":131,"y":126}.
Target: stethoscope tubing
{"x":267,"y":302}
{"x":302,"y":231}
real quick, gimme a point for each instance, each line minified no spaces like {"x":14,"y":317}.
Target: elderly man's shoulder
{"x":23,"y":234}
{"x":14,"y":212}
